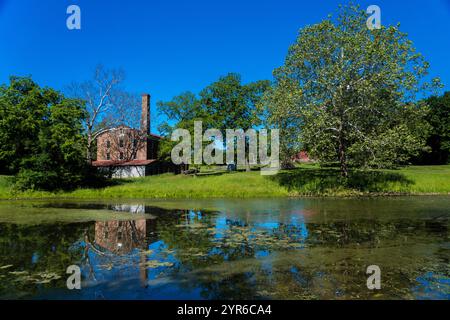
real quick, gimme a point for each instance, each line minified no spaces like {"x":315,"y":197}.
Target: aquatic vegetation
{"x":156,"y":264}
{"x":262,"y":249}
{"x":28,"y":213}
{"x":36,"y":278}
{"x":6,"y":267}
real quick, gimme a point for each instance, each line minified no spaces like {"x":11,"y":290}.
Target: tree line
{"x":346,"y":94}
{"x":48,"y":138}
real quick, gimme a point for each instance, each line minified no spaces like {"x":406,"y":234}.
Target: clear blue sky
{"x":167,"y":47}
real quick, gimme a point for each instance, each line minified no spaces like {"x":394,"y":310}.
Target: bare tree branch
{"x":108,"y":105}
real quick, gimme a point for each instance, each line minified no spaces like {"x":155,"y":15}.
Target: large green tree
{"x":41,"y":136}
{"x":438,"y":141}
{"x":179,"y":113}
{"x":348,"y":92}
{"x":231,"y":104}
{"x":225,"y":104}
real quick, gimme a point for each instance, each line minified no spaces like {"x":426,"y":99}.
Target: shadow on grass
{"x":103,"y":182}
{"x":329,"y":180}
{"x":210,"y":174}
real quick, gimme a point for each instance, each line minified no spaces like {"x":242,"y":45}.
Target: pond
{"x":226,"y":249}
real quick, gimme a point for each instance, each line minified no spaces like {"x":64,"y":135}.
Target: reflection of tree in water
{"x":317,"y":260}
{"x":33,"y":252}
{"x":117,"y":250}
{"x":372,"y":232}
{"x":227,"y":255}
{"x":199,"y":245}
{"x":338,"y":254}
{"x":115,"y":240}
{"x":189,"y":236}
{"x":325,"y":265}
{"x":120,"y":237}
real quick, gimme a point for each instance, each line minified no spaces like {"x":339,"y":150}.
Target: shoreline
{"x":296,"y":197}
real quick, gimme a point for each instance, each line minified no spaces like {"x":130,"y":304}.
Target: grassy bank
{"x":303,"y":181}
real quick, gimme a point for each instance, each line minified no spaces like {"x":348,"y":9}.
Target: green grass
{"x":414,"y":180}
{"x":307,"y":180}
{"x":426,"y":179}
{"x":5,"y":186}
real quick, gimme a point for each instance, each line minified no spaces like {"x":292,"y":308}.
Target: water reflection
{"x":116,"y":247}
{"x":298,"y":249}
{"x":120,"y":237}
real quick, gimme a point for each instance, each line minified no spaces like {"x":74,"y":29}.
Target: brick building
{"x":128,"y":152}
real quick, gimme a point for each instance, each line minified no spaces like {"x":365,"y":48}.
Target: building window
{"x":121,"y":143}
{"x":108,"y":156}
{"x":108,"y":144}
{"x":121,"y":156}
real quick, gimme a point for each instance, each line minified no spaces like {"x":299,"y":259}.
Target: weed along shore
{"x":304,"y":181}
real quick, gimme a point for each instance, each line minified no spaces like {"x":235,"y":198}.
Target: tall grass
{"x":235,"y":185}
{"x":303,"y":181}
{"x":5,"y":186}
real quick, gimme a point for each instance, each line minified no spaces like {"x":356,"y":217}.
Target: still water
{"x":227,"y":249}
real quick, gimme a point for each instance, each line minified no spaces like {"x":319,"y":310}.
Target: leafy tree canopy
{"x":224,"y":104}
{"x":349,"y":92}
{"x":438,"y":141}
{"x":41,"y":136}
{"x":231,"y":104}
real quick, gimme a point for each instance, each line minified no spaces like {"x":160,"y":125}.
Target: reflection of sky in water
{"x":193,"y":215}
{"x":221,"y":226}
{"x":109,"y":276}
{"x":270,"y":226}
{"x":35,"y":258}
{"x":298,"y":277}
{"x":103,"y":270}
{"x":432,"y":287}
{"x":190,"y":254}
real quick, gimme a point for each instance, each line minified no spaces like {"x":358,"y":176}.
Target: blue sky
{"x":167,"y":47}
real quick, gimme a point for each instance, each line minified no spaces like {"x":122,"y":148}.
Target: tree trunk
{"x":247,"y":165}
{"x":88,"y":149}
{"x":343,"y":157}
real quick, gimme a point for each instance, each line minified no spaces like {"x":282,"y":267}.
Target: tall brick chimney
{"x":145,"y":115}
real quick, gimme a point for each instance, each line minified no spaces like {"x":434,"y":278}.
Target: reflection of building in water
{"x":119,"y":249}
{"x":121,"y":237}
{"x":131,"y":208}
